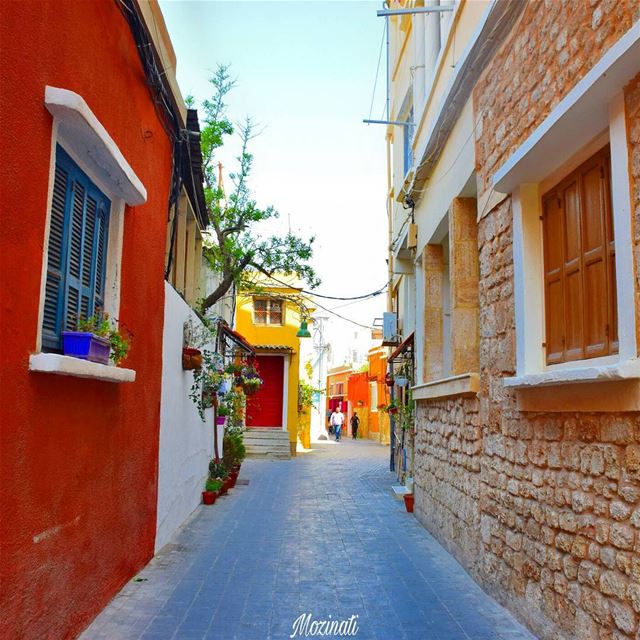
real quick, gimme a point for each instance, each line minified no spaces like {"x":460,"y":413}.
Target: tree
{"x":230,"y":247}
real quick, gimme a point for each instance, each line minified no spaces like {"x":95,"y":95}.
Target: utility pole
{"x":318,"y":426}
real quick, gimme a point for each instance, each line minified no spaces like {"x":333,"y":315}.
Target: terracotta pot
{"x":223,"y":489}
{"x":393,"y":411}
{"x":234,"y":477}
{"x":408,"y":502}
{"x":209,"y":497}
{"x":191,"y":358}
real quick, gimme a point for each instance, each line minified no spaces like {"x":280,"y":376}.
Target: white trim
{"x":462,"y":384}
{"x":94,"y":144}
{"x":628,"y":370}
{"x":621,"y":199}
{"x":285,"y":393}
{"x":561,"y":133}
{"x":76,"y":367}
{"x":528,"y":283}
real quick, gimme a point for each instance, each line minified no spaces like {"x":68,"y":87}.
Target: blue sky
{"x":305,"y":73}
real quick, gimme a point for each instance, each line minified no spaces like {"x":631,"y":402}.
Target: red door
{"x":264,"y":409}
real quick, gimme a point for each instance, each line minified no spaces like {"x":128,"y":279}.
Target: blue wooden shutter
{"x":54,"y":291}
{"x":77,"y":251}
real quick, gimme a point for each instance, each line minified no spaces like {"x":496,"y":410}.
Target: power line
{"x":373,"y":294}
{"x":364,"y":326}
{"x":375,"y":84}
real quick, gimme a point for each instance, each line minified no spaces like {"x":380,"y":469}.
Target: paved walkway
{"x":320,"y":534}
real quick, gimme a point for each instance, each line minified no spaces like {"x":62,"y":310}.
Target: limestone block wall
{"x":543,"y":509}
{"x":632,"y":109}
{"x":447,"y":475}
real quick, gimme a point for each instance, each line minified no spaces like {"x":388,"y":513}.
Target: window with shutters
{"x":579,"y":264}
{"x":77,"y":251}
{"x":268,"y":311}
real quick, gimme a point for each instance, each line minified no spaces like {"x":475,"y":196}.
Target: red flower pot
{"x":223,"y":489}
{"x":388,"y":380}
{"x":393,"y":411}
{"x":191,"y":358}
{"x":233,"y":476}
{"x":408,"y":502}
{"x":209,"y":497}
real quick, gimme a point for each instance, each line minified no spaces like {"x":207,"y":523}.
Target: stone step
{"x":267,"y":443}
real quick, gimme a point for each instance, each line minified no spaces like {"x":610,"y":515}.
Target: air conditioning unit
{"x":389,"y":329}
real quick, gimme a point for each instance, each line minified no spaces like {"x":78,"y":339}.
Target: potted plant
{"x":191,"y":358}
{"x":211,"y":489}
{"x":234,"y":369}
{"x":218,"y":472}
{"x":96,"y":341}
{"x":392,"y":408}
{"x":388,"y":380}
{"x":223,"y":412}
{"x":402,"y":381}
{"x":408,"y":502}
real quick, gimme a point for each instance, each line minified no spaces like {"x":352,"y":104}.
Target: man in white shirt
{"x":337,"y":420}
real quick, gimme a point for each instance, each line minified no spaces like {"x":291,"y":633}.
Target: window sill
{"x":599,"y":387}
{"x":628,"y":370}
{"x":466,"y":384}
{"x":76,"y":367}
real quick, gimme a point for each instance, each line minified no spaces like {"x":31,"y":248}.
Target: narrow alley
{"x":320,"y":534}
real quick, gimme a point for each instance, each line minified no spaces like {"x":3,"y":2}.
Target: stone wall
{"x":632,"y":109}
{"x":553,"y":45}
{"x":560,"y":493}
{"x":447,"y":475}
{"x":542,"y":508}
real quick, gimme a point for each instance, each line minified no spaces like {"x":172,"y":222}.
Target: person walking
{"x":337,"y":420}
{"x":355,"y":423}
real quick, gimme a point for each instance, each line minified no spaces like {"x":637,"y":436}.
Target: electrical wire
{"x":375,"y":83}
{"x":364,"y":326}
{"x":431,"y":185}
{"x":373,"y":294}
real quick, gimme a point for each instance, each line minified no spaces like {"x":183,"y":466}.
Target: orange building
{"x":337,"y":391}
{"x":378,"y":420}
{"x":358,"y":397}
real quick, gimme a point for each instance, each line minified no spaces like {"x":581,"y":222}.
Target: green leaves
{"x":231,"y":245}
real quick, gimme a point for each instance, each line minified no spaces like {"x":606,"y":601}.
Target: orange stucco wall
{"x":78,"y":457}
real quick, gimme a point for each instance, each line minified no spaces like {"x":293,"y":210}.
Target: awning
{"x":274,"y":348}
{"x":237,"y":339}
{"x":405,"y":346}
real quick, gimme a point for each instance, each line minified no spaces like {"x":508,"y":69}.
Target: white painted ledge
{"x":89,"y":139}
{"x":461,"y":385}
{"x":628,"y":370}
{"x":76,"y":367}
{"x":583,"y":109}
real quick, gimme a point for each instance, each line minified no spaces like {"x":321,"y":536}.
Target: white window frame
{"x":79,"y":132}
{"x":549,"y":154}
{"x":268,"y":322}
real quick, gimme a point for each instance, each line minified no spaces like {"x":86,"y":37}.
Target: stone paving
{"x":319,"y":534}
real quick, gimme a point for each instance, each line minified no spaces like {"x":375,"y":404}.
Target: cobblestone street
{"x":320,"y":534}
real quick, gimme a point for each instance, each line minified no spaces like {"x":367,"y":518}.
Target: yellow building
{"x":270,"y":319}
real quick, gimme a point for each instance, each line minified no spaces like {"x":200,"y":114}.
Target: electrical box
{"x":412,"y":236}
{"x":389,"y":328}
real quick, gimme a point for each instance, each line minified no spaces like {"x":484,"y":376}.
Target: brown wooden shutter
{"x":611,"y":255}
{"x":594,"y":251}
{"x":579,"y":258}
{"x":554,"y":277}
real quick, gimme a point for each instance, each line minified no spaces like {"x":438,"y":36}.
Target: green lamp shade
{"x":303,"y":332}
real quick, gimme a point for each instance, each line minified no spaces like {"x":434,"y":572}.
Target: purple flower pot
{"x":86,"y":346}
{"x":220,"y":420}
